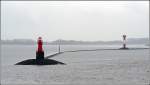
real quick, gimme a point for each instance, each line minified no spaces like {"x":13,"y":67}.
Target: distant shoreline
{"x":130,"y":41}
{"x":73,"y":44}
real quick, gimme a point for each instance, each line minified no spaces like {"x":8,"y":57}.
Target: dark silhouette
{"x":45,"y":62}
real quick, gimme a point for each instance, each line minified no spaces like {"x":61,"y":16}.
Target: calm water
{"x":105,"y":67}
{"x":12,"y":54}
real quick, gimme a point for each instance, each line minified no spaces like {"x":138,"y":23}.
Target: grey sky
{"x":74,"y":20}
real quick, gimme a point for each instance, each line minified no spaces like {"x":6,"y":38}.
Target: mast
{"x":59,"y":46}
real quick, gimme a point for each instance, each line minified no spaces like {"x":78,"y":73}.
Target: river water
{"x":10,"y":54}
{"x":103,"y":67}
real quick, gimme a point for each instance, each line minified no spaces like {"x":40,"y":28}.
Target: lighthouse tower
{"x":40,"y":52}
{"x":124,"y":42}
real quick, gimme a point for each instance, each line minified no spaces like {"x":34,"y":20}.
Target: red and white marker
{"x":124,"y":41}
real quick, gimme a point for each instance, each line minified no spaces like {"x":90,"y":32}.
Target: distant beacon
{"x":124,"y":42}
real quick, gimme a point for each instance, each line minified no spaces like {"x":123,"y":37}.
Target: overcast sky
{"x":74,"y":20}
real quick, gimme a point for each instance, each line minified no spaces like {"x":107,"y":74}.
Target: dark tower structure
{"x":40,"y":52}
{"x":124,"y":42}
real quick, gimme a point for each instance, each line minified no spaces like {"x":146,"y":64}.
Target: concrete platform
{"x":45,"y":62}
